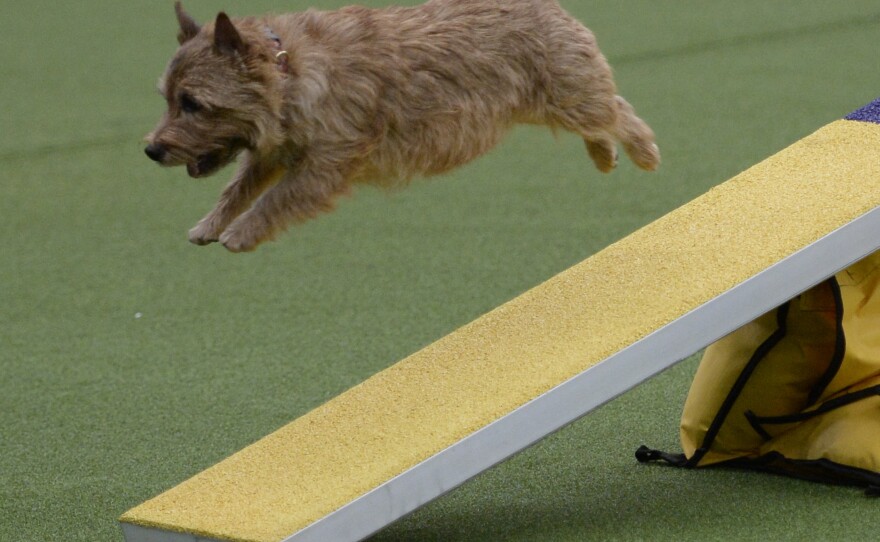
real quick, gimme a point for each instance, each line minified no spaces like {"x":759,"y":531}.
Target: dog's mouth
{"x":205,"y":165}
{"x":208,"y":163}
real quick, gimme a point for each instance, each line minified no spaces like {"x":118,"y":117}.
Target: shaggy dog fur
{"x":317,"y":101}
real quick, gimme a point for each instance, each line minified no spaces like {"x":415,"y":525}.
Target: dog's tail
{"x":636,"y":137}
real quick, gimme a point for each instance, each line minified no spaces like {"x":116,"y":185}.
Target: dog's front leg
{"x":297,"y":197}
{"x":251,"y":180}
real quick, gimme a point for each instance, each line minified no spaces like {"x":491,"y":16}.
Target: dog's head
{"x":223,"y":92}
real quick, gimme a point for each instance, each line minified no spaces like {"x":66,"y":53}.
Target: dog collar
{"x":281,"y":55}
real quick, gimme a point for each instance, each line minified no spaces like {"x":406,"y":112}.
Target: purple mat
{"x":869,"y":113}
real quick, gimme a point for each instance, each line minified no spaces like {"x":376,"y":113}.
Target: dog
{"x":316,"y":101}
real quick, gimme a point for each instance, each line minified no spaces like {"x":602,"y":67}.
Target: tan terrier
{"x":319,"y":100}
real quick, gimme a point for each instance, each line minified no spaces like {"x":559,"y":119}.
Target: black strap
{"x":645,"y":454}
{"x":755,"y":421}
{"x":815,"y":470}
{"x":825,"y":407}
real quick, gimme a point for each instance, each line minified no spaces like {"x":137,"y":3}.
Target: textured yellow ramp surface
{"x":522,"y":349}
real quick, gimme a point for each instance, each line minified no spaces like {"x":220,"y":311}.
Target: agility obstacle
{"x":420,"y":428}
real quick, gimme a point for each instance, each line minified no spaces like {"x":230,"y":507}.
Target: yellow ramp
{"x":486,"y":391}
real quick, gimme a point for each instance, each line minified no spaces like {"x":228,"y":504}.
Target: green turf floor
{"x":130,"y":359}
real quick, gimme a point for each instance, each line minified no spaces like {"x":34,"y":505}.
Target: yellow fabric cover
{"x":792,"y":363}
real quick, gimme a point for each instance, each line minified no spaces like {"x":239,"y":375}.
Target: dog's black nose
{"x":155,"y":152}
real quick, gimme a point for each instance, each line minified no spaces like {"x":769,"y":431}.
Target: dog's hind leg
{"x":603,"y":151}
{"x":251,"y":180}
{"x":636,"y":136}
{"x":582,"y":98}
{"x":604,"y":123}
{"x":595,"y":121}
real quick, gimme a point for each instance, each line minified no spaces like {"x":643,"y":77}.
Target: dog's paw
{"x":202,"y":234}
{"x":236,"y":241}
{"x":246,"y":232}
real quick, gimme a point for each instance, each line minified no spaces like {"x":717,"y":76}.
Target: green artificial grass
{"x":130,"y":360}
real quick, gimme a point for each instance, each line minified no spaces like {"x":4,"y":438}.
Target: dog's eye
{"x":188,"y":104}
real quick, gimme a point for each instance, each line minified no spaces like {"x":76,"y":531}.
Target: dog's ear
{"x":188,"y":27}
{"x":227,"y":40}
